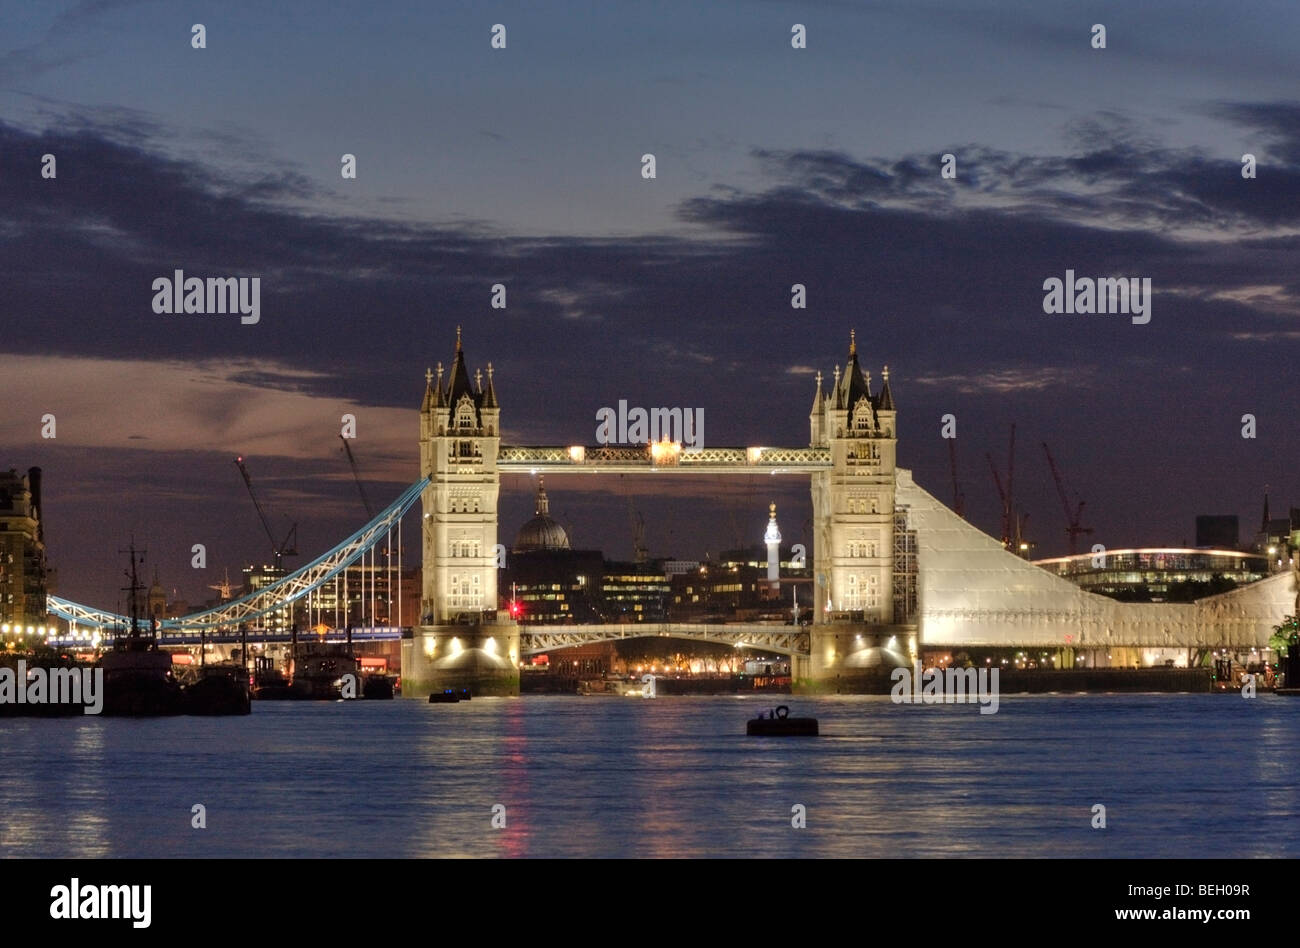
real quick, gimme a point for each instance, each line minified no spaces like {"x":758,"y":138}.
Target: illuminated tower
{"x":773,"y":540}
{"x":459,"y":436}
{"x":853,"y":502}
{"x":460,"y":642}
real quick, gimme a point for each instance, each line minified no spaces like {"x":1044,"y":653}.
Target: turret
{"x":817,"y":417}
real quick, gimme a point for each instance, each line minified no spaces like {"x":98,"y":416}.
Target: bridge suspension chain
{"x":262,"y":602}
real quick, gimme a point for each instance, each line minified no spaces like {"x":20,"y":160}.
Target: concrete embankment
{"x":1013,"y":681}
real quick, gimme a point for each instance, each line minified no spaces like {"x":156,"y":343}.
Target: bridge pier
{"x":853,"y":657}
{"x":483,"y":658}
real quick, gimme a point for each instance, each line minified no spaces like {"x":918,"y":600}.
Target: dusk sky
{"x":522,"y":166}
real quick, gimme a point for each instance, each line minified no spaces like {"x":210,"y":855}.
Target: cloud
{"x":63,"y":43}
{"x":258,"y":408}
{"x":1008,"y":380}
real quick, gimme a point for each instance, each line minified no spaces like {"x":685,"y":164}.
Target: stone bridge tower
{"x":460,"y":431}
{"x":854,"y":527}
{"x":459,"y":641}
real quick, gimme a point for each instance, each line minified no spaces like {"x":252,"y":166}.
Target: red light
{"x":515,"y":609}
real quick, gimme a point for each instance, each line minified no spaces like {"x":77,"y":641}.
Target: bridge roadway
{"x":663,"y":457}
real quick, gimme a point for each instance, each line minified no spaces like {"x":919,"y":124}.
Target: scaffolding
{"x":904,"y":569}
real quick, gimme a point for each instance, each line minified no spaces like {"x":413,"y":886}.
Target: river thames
{"x":1179,"y":776}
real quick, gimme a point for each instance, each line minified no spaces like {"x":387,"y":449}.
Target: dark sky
{"x":522,"y":166}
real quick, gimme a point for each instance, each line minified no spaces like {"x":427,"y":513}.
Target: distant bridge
{"x":783,"y":640}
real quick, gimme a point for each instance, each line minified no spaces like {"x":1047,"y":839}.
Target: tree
{"x":1285,"y":635}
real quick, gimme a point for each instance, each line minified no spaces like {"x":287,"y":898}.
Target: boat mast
{"x":134,"y":590}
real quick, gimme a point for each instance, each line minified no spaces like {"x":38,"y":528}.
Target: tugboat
{"x":221,"y":688}
{"x":138,"y":680}
{"x":778,"y":723}
{"x":320,"y":670}
{"x":269,"y":682}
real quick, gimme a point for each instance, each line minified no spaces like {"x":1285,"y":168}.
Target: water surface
{"x":1180,"y":775}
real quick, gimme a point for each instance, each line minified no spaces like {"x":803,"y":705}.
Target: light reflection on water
{"x":1180,"y":775}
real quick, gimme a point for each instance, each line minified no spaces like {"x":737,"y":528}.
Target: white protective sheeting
{"x":973,"y":592}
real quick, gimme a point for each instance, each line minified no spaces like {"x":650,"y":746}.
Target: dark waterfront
{"x":1180,"y":775}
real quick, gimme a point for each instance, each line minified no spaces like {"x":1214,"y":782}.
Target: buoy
{"x":780,"y":724}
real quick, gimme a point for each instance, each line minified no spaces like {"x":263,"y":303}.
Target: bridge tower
{"x":460,"y":642}
{"x":460,"y":431}
{"x":854,"y":632}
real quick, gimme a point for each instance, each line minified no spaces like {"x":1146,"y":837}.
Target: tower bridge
{"x":894,"y":568}
{"x":866,"y":554}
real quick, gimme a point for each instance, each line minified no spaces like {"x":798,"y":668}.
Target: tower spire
{"x":853,"y":342}
{"x":439,"y":399}
{"x":458,"y":339}
{"x":428,"y":390}
{"x":886,"y":399}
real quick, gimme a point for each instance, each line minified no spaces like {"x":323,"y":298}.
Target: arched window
{"x":465,"y":412}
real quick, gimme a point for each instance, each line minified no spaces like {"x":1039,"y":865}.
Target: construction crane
{"x":639,"y":551}
{"x":224,"y":587}
{"x":287,"y":546}
{"x":370,"y":511}
{"x":638,"y":533}
{"x":1002,"y":496}
{"x":1073,"y":529}
{"x":958,"y":498}
{"x":1011,"y":475}
{"x":1013,"y":523}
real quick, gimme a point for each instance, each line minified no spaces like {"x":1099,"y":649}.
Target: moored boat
{"x":449,"y":696}
{"x":221,"y":688}
{"x":321,"y":671}
{"x":138,"y":679}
